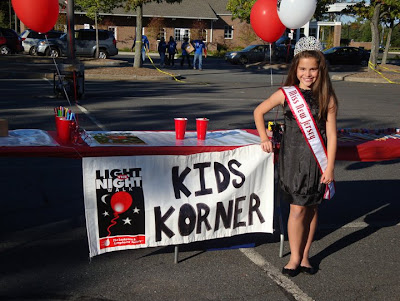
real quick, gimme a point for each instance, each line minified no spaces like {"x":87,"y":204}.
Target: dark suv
{"x":85,"y":44}
{"x":9,"y":41}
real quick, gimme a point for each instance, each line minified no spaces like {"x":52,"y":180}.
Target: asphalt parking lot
{"x":44,"y":249}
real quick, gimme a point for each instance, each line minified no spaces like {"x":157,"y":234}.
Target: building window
{"x":204,"y":35}
{"x":161,"y":34}
{"x":114,"y":30}
{"x":181,"y":33}
{"x":228,"y":32}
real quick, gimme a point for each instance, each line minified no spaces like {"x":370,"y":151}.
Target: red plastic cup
{"x":63,"y":127}
{"x":180,"y":128}
{"x":201,"y":126}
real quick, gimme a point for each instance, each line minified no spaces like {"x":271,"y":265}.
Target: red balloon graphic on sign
{"x":121,"y":201}
{"x":265,"y":20}
{"x":38,"y":15}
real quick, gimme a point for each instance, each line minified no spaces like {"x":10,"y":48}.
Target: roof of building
{"x":219,"y":6}
{"x":187,"y":9}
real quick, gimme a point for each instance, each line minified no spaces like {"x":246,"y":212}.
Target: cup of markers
{"x":65,"y":124}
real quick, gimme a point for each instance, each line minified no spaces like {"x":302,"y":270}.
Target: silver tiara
{"x":307,"y":43}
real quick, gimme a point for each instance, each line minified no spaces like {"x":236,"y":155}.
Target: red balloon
{"x":121,"y":201}
{"x":38,"y":15}
{"x":265,"y":20}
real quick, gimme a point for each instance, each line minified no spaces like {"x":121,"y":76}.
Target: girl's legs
{"x":301,"y":228}
{"x":313,"y":220}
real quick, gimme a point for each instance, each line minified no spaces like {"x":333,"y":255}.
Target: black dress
{"x":299,"y":173}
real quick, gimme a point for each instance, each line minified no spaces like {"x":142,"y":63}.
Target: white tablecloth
{"x":167,"y":138}
{"x":28,"y":137}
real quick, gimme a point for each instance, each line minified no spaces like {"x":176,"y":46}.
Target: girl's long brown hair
{"x":322,"y":88}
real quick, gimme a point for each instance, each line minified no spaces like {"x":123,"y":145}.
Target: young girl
{"x":303,"y":184}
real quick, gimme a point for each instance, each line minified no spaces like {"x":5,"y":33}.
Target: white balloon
{"x":295,"y":13}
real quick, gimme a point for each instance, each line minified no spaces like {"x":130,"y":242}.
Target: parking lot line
{"x":285,"y":283}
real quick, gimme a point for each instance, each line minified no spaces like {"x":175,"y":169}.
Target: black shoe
{"x":308,"y":270}
{"x":290,"y":272}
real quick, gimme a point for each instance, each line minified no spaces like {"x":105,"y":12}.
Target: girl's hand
{"x":267,"y":146}
{"x":327,"y":177}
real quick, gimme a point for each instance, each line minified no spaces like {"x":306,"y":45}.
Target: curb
{"x":348,"y":78}
{"x":108,"y":77}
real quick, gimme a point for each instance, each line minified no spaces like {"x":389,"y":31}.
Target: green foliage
{"x":357,"y":31}
{"x":138,"y":5}
{"x":93,"y":7}
{"x":132,"y":4}
{"x":240,"y":9}
{"x":360,"y":9}
{"x":3,"y":20}
{"x":5,"y":14}
{"x":320,"y":13}
{"x":395,"y":41}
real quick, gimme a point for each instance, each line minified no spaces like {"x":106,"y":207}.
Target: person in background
{"x":199,"y":48}
{"x":162,"y":47}
{"x":171,"y":50}
{"x":306,"y":164}
{"x":145,"y":46}
{"x":185,"y":54}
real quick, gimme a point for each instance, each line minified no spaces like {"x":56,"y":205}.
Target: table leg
{"x":176,"y":254}
{"x":277,"y":202}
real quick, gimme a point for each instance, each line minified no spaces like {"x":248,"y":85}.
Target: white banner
{"x":147,"y":201}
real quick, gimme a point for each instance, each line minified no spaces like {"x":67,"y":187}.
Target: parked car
{"x":30,"y":39}
{"x":347,"y":56}
{"x":9,"y":41}
{"x":250,"y":54}
{"x":85,"y":44}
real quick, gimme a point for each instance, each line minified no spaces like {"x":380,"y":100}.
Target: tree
{"x":93,"y":8}
{"x":240,"y":9}
{"x":359,"y":31}
{"x":6,"y":14}
{"x":137,"y":5}
{"x":370,"y":12}
{"x":390,"y":15}
{"x":322,"y":9}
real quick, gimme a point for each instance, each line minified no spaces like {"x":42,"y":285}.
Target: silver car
{"x":85,"y":44}
{"x":30,"y":39}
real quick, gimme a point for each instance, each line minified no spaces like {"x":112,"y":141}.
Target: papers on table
{"x":27,"y":137}
{"x":167,"y":138}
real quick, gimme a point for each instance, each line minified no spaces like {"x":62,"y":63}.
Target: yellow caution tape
{"x":392,"y":70}
{"x":170,"y":74}
{"x":159,"y":70}
{"x":373,"y":68}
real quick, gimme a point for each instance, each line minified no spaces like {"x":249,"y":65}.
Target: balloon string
{"x":60,"y":80}
{"x":113,"y":223}
{"x":270,"y":62}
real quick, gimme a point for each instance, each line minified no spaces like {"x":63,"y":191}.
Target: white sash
{"x":308,"y":127}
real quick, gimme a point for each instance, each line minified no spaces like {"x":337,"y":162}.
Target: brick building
{"x":207,"y":18}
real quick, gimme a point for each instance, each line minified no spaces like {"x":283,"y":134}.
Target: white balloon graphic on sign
{"x":295,"y":13}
